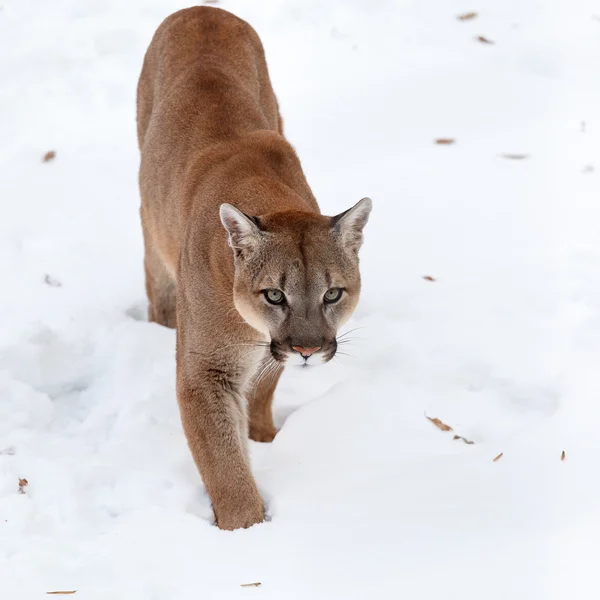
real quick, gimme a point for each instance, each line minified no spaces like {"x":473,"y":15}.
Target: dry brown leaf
{"x":255,"y":584}
{"x":484,"y":40}
{"x":23,"y":483}
{"x":445,"y":141}
{"x":563,"y":455}
{"x":467,"y":16}
{"x":465,"y":440}
{"x":439,"y":424}
{"x":50,"y":155}
{"x":429,"y":278}
{"x":515,"y":156}
{"x":498,"y":457}
{"x":51,"y":281}
{"x":65,"y":593}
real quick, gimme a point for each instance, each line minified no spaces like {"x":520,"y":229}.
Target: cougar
{"x":238,"y":256}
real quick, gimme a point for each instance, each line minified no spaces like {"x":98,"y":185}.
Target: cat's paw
{"x":240,"y":516}
{"x":262,"y":433}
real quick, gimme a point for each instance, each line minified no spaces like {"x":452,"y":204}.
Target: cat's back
{"x":203,"y":65}
{"x":203,"y":94}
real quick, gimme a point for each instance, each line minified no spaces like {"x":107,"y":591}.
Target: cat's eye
{"x":274,"y":296}
{"x":332,"y":295}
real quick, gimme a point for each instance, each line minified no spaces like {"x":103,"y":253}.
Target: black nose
{"x":306,"y":353}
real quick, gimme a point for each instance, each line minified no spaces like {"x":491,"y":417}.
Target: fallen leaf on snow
{"x":563,"y":455}
{"x":484,"y":40}
{"x":515,"y":156}
{"x":467,"y":16}
{"x":465,"y":440}
{"x":498,"y":457}
{"x":439,"y":424}
{"x":49,"y":280}
{"x":255,"y":584}
{"x":445,"y":141}
{"x":65,"y":593}
{"x":23,"y":483}
{"x":429,"y":278}
{"x":50,"y":155}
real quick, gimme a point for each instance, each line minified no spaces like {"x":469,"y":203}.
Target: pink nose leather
{"x":306,"y":352}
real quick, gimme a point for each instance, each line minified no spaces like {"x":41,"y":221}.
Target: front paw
{"x":262,"y":433}
{"x":239,"y":515}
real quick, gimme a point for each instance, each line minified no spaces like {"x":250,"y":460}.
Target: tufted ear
{"x":244,"y":231}
{"x":348,"y":225}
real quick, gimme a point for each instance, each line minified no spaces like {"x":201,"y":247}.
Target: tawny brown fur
{"x":210,"y":132}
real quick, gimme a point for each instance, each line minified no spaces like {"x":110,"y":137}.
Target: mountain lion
{"x":237,"y":254}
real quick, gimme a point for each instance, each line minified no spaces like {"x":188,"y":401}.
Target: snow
{"x":367,"y":498}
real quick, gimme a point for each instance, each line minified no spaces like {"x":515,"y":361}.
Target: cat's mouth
{"x":302,"y":357}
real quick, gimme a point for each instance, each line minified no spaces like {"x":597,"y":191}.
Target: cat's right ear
{"x":244,"y":231}
{"x":348,"y":226}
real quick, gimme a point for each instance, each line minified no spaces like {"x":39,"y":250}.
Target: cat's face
{"x":296,"y":277}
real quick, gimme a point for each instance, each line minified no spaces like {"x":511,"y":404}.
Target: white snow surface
{"x":367,"y":498}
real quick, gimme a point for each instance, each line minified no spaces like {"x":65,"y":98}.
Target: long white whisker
{"x":341,"y":337}
{"x":265,"y":360}
{"x":266,"y":372}
{"x":258,"y":344}
{"x":272,"y":369}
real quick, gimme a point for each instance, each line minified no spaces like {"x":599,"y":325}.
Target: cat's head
{"x":296,"y":277}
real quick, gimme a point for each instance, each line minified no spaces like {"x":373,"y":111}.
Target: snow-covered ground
{"x":368,"y":498}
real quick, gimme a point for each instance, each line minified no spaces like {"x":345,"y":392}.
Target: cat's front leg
{"x":215,"y":422}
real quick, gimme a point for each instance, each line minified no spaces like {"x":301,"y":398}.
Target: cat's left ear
{"x":244,"y":232}
{"x":348,"y":226}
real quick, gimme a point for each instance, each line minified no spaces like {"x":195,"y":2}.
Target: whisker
{"x":274,"y":368}
{"x":266,"y":374}
{"x":253,"y":344}
{"x":263,"y":371}
{"x":259,"y":375}
{"x":259,"y":365}
{"x":351,"y":330}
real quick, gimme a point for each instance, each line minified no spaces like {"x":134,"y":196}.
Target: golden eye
{"x":274,"y":296}
{"x":332,"y":295}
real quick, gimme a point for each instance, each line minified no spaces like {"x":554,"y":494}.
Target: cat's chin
{"x":295,"y":360}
